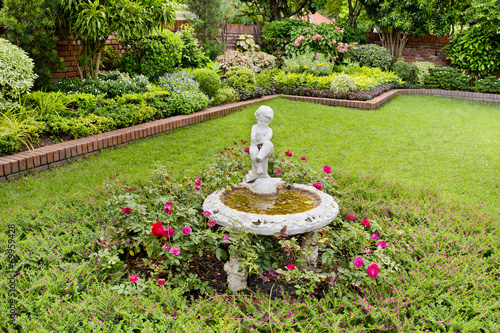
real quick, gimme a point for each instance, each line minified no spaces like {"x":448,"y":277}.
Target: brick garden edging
{"x":43,"y":158}
{"x":381,"y":99}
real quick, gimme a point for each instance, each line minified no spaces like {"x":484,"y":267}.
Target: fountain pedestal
{"x":236,"y":274}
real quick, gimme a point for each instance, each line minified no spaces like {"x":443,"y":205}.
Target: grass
{"x":415,"y":165}
{"x":449,"y":145}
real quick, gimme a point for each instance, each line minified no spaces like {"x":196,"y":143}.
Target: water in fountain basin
{"x":286,"y":202}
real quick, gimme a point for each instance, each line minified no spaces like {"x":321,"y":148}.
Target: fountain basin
{"x":322,"y":212}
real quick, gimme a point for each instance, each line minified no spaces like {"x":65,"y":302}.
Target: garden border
{"x":12,"y":166}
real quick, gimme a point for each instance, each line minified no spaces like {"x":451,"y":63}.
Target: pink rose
{"x":157,"y":229}
{"x":166,"y":247}
{"x":211,"y":223}
{"x":372,"y":270}
{"x":367,"y":251}
{"x":358,"y":262}
{"x":175,"y":251}
{"x":133,"y":278}
{"x":186,"y":230}
{"x":207,"y":213}
{"x":126,"y":210}
{"x":303,"y":158}
{"x":288,"y":153}
{"x":197,"y":181}
{"x":169,"y":232}
{"x":365,"y":222}
{"x":277,"y":172}
{"x":161,"y":282}
{"x":351,"y":217}
{"x":197,"y":188}
{"x":382,"y":244}
{"x":290,"y":267}
{"x":327,"y":169}
{"x":318,"y":186}
{"x":374,"y":236}
{"x":167,"y":209}
{"x":225,"y":240}
{"x":247,"y":149}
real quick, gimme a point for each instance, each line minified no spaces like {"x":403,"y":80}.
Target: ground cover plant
{"x":411,"y":185}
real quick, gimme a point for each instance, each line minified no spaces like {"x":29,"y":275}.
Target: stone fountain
{"x":265,"y":205}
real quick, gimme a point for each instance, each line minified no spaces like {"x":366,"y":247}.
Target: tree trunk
{"x":354,"y":12}
{"x":394,"y":41}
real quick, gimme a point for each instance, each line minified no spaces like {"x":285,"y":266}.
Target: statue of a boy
{"x":261,"y":146}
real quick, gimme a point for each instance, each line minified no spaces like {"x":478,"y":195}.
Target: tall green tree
{"x":91,"y":22}
{"x":31,"y":26}
{"x":209,"y":14}
{"x":397,"y":20}
{"x":348,"y":10}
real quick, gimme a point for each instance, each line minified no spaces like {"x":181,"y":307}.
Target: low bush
{"x":109,"y":85}
{"x":372,"y":55}
{"x":192,"y":54}
{"x":365,"y":77}
{"x":489,"y":84}
{"x":343,"y":84}
{"x":152,"y":56}
{"x":447,"y":78}
{"x":255,"y":61}
{"x":404,"y":70}
{"x":16,"y":71}
{"x":241,"y":78}
{"x":313,"y":63}
{"x":81,"y":126}
{"x":185,"y":94}
{"x":265,"y":79}
{"x":422,"y":70}
{"x":208,"y":79}
{"x":224,"y":96}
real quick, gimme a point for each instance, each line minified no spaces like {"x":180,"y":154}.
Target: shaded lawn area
{"x":450,"y":145}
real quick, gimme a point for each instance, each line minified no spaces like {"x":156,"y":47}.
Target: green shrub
{"x":276,"y":35}
{"x":192,"y":54}
{"x":365,"y":77}
{"x":152,"y":56}
{"x":313,"y":63}
{"x":343,"y":84}
{"x":255,"y":61}
{"x":422,"y":70}
{"x":109,"y":84}
{"x":372,"y":55}
{"x":447,"y":78}
{"x":179,"y":81}
{"x":475,"y":51}
{"x":8,"y":145}
{"x":404,"y":70}
{"x":209,"y":81}
{"x":18,"y":127}
{"x":241,"y":78}
{"x":187,"y":102}
{"x":489,"y":84}
{"x":31,"y":25}
{"x":16,"y":71}
{"x":224,"y":96}
{"x":80,"y":127}
{"x":264,"y":79}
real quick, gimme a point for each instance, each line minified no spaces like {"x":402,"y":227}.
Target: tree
{"x":31,"y":26}
{"x":209,"y":14}
{"x":277,"y":10}
{"x":92,"y":22}
{"x":397,"y":20}
{"x":347,"y":11}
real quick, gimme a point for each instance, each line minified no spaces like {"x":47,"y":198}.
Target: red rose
{"x":365,"y":222}
{"x":126,"y":210}
{"x":290,"y":267}
{"x":157,"y":229}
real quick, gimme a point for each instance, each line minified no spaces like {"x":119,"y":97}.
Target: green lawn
{"x":450,"y":145}
{"x":409,"y":167}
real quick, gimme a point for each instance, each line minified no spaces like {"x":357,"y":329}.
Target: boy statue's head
{"x":265,"y":114}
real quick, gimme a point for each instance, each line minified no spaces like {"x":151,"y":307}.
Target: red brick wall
{"x":427,"y":48}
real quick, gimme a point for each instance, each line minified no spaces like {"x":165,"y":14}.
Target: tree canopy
{"x":277,"y":10}
{"x":92,"y":22}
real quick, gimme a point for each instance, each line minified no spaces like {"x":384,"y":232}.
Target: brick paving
{"x":43,"y":158}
